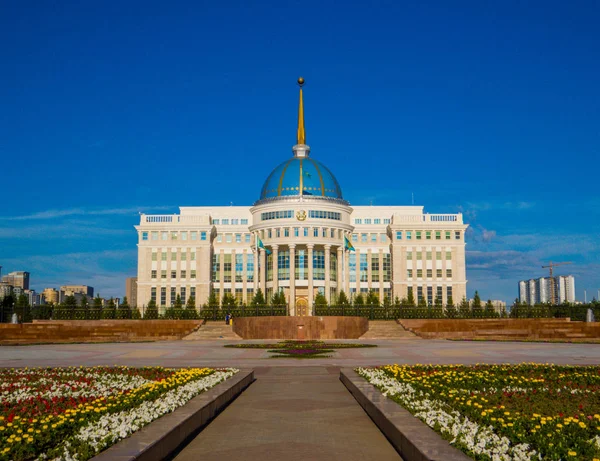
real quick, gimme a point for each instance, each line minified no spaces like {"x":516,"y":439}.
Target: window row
{"x":430,"y":300}
{"x":228,"y":221}
{"x":317,"y":232}
{"x":428,"y":255}
{"x":232,"y":267}
{"x":173,"y":235}
{"x":280,"y":214}
{"x":183,"y":293}
{"x":301,"y":262}
{"x":182,"y":274}
{"x":364,"y":238}
{"x":427,"y":235}
{"x":238,"y":238}
{"x":163,"y":256}
{"x":319,"y":214}
{"x":428,"y":273}
{"x":361,"y":273}
{"x":371,"y":220}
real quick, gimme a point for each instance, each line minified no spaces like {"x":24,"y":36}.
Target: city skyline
{"x":488,"y":110}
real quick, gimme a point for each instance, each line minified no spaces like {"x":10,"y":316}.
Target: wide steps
{"x":383,"y":329}
{"x":211,"y":331}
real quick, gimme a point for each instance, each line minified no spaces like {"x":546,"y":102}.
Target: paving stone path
{"x":292,"y":413}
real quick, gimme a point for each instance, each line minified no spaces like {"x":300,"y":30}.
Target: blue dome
{"x":301,"y":176}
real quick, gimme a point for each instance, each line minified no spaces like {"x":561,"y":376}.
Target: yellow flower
{"x":572,"y":453}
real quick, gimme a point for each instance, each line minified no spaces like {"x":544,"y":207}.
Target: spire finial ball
{"x":300,"y":81}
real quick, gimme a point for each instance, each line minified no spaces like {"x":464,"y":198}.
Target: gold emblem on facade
{"x":301,"y":215}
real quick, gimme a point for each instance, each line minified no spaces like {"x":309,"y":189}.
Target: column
{"x":263,"y":272}
{"x":357,"y":251}
{"x":340,"y":276}
{"x":233,"y":282}
{"x":347,"y":274}
{"x":381,"y":283}
{"x":245,"y":276}
{"x":275,"y":250}
{"x":369,"y":269}
{"x":292,"y":279}
{"x":311,"y":296}
{"x":327,"y":273}
{"x":221,"y":274}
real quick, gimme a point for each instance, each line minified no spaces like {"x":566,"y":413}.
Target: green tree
{"x":213,"y":300}
{"x":124,"y":312}
{"x":320,"y":300}
{"x":70,"y":302}
{"x":97,"y":302}
{"x":489,"y":311}
{"x":343,"y":299}
{"x":398,"y":302}
{"x":476,"y":309}
{"x":178,"y":304}
{"x":372,"y":298}
{"x":151,"y":311}
{"x":464,"y":311}
{"x":451,"y":312}
{"x":422,"y":303}
{"x":258,"y":299}
{"x":278,"y":299}
{"x":359,"y":300}
{"x":83,"y":304}
{"x":109,"y":311}
{"x":438,"y":302}
{"x":190,"y":309}
{"x":22,"y":308}
{"x":410,"y":299}
{"x":228,"y":300}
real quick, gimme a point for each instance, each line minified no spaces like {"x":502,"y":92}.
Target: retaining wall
{"x":300,"y":327}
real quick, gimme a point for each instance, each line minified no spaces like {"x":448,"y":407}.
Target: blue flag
{"x":260,"y":244}
{"x":347,"y":245}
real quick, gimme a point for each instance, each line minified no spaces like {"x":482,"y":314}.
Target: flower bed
{"x":502,"y":412}
{"x":74,"y":413}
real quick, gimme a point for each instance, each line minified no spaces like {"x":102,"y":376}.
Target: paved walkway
{"x":212,"y":353}
{"x":296,"y":413}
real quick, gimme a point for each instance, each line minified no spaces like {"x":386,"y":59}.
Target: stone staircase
{"x":387,"y":329}
{"x":213,"y":330}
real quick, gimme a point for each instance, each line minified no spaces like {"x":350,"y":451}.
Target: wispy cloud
{"x":54,"y":214}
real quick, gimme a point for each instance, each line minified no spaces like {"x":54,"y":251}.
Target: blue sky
{"x":110,"y":108}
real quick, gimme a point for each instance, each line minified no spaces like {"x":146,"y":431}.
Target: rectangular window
{"x":387,"y":267}
{"x":363,"y":238}
{"x":183,"y":274}
{"x":163,"y":296}
{"x":428,"y":255}
{"x":227,"y":268}
{"x":358,"y":221}
{"x":153,"y":274}
{"x":296,"y":231}
{"x":419,"y":273}
{"x":249,"y":267}
{"x":173,"y":255}
{"x":173,"y":274}
{"x":193,"y":256}
{"x":428,"y":235}
{"x":438,"y":235}
{"x":184,"y":255}
{"x":153,"y":294}
{"x":418,"y":235}
{"x":409,"y":255}
{"x":419,"y":293}
{"x":173,"y":296}
{"x":409,"y":273}
{"x":219,"y":238}
{"x":244,"y":221}
{"x":215,"y":222}
{"x":324,"y":233}
{"x":305,"y":232}
{"x":408,"y":235}
{"x":438,"y":273}
{"x":163,"y":274}
{"x":228,"y":238}
{"x":373,"y":237}
{"x":316,"y":232}
{"x":383,"y":238}
{"x":447,"y":234}
{"x":449,"y":273}
{"x":429,"y":273}
{"x":183,"y":293}
{"x":183,"y":235}
{"x":225,"y":222}
{"x":364,"y":275}
{"x":194,"y":235}
{"x":269,"y":233}
{"x":154,"y":256}
{"x":448,"y":255}
{"x":173,"y":235}
{"x":247,"y":238}
{"x":202,"y":235}
{"x":438,"y":255}
{"x":278,"y":232}
{"x":438,"y":294}
{"x":238,"y":238}
{"x":398,"y":235}
{"x":163,"y":256}
{"x":375,"y":268}
{"x":386,"y":221}
{"x":283,"y":265}
{"x":449,"y":294}
{"x":457,"y":235}
{"x":144,"y":235}
{"x":430,"y":295}
{"x":154,"y":235}
{"x":419,"y":255}
{"x":164,"y":235}
{"x":235,"y":222}
{"x":286,"y":232}
{"x":332,"y":233}
{"x":239,"y":268}
{"x":367,"y":220}
{"x":216,"y":269}
{"x":193,"y":293}
{"x":377,"y":221}
{"x":355,"y":238}
{"x":193,"y":274}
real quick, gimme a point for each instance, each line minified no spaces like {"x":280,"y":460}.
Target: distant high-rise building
{"x":5,"y":290}
{"x":50,"y":295}
{"x":70,"y":290}
{"x":131,"y":290}
{"x":539,"y":291}
{"x":17,"y":279}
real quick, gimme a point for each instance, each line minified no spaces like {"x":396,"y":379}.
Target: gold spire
{"x":301,"y":133}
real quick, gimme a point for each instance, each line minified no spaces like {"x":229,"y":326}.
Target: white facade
{"x":539,"y":291}
{"x":303,"y":222}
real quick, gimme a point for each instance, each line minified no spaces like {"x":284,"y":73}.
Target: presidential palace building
{"x":300,"y":237}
